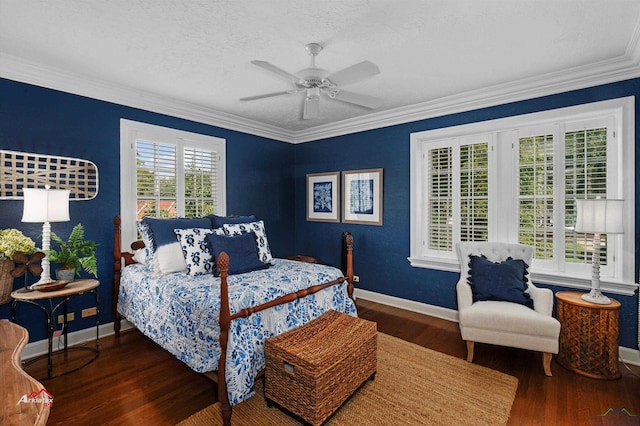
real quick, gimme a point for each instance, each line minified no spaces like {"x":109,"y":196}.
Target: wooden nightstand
{"x":74,"y":288}
{"x":588,"y":336}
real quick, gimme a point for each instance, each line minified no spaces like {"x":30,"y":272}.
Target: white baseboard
{"x":627,"y":355}
{"x":41,"y":347}
{"x":408,"y":305}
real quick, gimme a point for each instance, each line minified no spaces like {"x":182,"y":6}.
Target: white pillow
{"x":264,"y":253}
{"x":195,"y":249}
{"x":140,"y":256}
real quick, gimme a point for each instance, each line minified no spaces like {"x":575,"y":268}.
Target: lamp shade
{"x":45,"y":205}
{"x":602,"y":216}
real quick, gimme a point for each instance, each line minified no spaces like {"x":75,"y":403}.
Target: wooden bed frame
{"x":225,"y":314}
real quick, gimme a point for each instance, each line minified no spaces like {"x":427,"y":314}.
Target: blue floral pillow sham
{"x":219,"y":221}
{"x":264,"y":253}
{"x":196,"y":251}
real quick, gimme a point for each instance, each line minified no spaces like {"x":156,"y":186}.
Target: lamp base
{"x":596,"y":297}
{"x":44,"y":280}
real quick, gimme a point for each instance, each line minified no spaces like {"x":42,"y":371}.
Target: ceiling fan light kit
{"x":314,"y":81}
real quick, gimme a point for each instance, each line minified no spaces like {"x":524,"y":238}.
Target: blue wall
{"x":380,"y":252}
{"x":264,"y":177}
{"x":260,"y":176}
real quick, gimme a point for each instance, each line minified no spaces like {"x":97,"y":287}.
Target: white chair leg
{"x":546,"y":363}
{"x":469,"y":350}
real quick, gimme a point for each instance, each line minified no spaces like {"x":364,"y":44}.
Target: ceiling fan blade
{"x":279,"y":71}
{"x":268,"y":95}
{"x":311,"y":107}
{"x":354,"y":73}
{"x":358,"y":99}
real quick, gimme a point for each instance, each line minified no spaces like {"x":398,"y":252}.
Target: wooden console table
{"x":17,"y":386}
{"x":588,"y":336}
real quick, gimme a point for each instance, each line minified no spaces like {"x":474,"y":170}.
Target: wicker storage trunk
{"x":312,"y":370}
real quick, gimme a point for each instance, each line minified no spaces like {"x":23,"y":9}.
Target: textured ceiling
{"x":197,"y":54}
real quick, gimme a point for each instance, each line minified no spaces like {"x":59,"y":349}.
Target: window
{"x":176,"y":174}
{"x":517,"y":179}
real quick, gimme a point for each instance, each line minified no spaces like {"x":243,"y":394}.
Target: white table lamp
{"x":46,"y":206}
{"x":599,"y":216}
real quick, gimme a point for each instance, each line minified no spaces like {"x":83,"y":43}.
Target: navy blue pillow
{"x":242,"y":250}
{"x":162,"y":228}
{"x":218,"y":221}
{"x":503,"y":281}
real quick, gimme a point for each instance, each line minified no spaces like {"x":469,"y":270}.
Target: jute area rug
{"x":413,"y":386}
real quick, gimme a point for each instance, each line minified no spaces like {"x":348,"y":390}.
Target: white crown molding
{"x":622,"y":68}
{"x":633,"y":48}
{"x":17,"y":69}
{"x":549,"y":84}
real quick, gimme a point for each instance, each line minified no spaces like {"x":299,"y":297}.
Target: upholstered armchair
{"x":496,"y":307}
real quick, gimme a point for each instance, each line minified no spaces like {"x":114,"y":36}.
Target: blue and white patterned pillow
{"x":264,"y":253}
{"x":166,"y":253}
{"x":196,"y":250}
{"x":147,"y":238}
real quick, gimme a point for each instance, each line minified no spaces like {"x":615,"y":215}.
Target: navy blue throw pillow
{"x":503,"y":281}
{"x":218,"y":221}
{"x":242,"y":250}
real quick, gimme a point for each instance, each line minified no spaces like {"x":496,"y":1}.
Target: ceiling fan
{"x":313,"y":81}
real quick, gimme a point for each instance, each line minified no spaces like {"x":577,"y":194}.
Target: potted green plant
{"x":75,"y":254}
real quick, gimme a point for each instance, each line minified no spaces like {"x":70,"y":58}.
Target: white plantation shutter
{"x":155,"y":179}
{"x":458,"y":195}
{"x":200,"y":182}
{"x":517,"y":180}
{"x":169,"y":173}
{"x":440,"y":198}
{"x":474,"y":192}
{"x":164,"y":190}
{"x":585,"y":177}
{"x":536,"y":192}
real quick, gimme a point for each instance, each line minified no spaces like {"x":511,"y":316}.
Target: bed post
{"x":117,"y":266}
{"x":225,"y":324}
{"x":348,"y":239}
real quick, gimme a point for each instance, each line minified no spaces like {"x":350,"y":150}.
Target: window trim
{"x":624,"y":108}
{"x":132,"y":130}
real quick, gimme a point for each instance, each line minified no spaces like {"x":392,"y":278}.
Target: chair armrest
{"x":542,"y":299}
{"x":463,"y":291}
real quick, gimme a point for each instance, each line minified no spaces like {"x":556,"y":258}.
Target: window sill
{"x":570,"y":281}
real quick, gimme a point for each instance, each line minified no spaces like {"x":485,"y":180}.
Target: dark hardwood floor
{"x":135,"y":382}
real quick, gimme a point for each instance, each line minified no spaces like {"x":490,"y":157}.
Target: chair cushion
{"x":509,"y":318}
{"x":502,"y":281}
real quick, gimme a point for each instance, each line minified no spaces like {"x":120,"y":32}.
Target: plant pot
{"x":65,"y":274}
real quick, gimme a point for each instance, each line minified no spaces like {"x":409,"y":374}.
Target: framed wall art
{"x":362,"y":196}
{"x":323,"y":197}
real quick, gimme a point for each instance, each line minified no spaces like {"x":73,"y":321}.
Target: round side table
{"x":74,"y":288}
{"x":588,"y":336}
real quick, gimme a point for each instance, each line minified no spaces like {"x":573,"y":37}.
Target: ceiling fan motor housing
{"x":312,"y":77}
{"x":313,"y":80}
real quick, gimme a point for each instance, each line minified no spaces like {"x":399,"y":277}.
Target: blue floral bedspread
{"x":180,"y":313}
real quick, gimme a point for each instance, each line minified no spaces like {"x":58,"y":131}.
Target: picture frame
{"x":362,"y":192}
{"x":323,"y":197}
